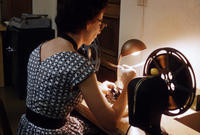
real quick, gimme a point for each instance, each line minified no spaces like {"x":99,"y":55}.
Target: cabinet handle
{"x":10,"y":49}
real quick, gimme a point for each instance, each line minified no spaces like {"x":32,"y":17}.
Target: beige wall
{"x":167,"y":23}
{"x":45,"y":7}
{"x":161,"y":23}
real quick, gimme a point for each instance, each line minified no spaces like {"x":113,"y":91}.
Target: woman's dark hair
{"x":73,"y":15}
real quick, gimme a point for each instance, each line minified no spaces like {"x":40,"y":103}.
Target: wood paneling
{"x":113,"y":11}
{"x":2,"y":28}
{"x":21,"y":6}
{"x":11,"y":8}
{"x":117,"y":2}
{"x":109,"y":42}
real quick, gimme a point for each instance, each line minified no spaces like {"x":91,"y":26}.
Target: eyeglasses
{"x":102,"y":25}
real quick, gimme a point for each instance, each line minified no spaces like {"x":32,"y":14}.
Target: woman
{"x":59,"y":77}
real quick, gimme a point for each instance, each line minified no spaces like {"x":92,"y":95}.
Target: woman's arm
{"x":107,"y":115}
{"x":97,"y":103}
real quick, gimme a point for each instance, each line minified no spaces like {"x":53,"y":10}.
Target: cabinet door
{"x":109,"y":42}
{"x":114,"y":1}
{"x":10,"y":8}
{"x":21,"y":6}
{"x":110,"y":37}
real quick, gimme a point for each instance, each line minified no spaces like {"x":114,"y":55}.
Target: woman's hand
{"x":106,"y":86}
{"x":128,"y":73}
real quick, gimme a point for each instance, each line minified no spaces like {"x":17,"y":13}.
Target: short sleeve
{"x":80,"y":70}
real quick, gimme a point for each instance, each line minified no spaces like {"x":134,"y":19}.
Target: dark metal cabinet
{"x":18,"y":45}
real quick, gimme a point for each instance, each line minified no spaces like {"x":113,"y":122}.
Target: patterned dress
{"x":52,"y":91}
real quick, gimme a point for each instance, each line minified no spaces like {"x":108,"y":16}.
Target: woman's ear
{"x":88,"y":26}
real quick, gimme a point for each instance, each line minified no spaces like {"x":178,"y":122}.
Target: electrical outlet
{"x":198,"y":103}
{"x":141,"y":2}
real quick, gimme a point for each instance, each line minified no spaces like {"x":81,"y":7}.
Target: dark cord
{"x":128,"y":130}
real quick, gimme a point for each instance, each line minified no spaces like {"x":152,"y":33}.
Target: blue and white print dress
{"x":51,"y":93}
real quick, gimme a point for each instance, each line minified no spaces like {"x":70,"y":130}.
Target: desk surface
{"x":172,"y":126}
{"x":2,"y":28}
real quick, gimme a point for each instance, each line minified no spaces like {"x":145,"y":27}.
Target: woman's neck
{"x":77,"y":38}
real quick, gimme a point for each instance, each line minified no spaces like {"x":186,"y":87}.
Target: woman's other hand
{"x":128,"y":73}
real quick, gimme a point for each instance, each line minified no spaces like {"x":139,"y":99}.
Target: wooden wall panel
{"x":10,"y":8}
{"x":109,"y":42}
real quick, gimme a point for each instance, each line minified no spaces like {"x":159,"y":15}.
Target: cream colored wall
{"x":164,"y":24}
{"x":45,"y":7}
{"x":167,"y":23}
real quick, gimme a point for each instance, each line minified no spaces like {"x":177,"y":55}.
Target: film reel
{"x":179,"y":76}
